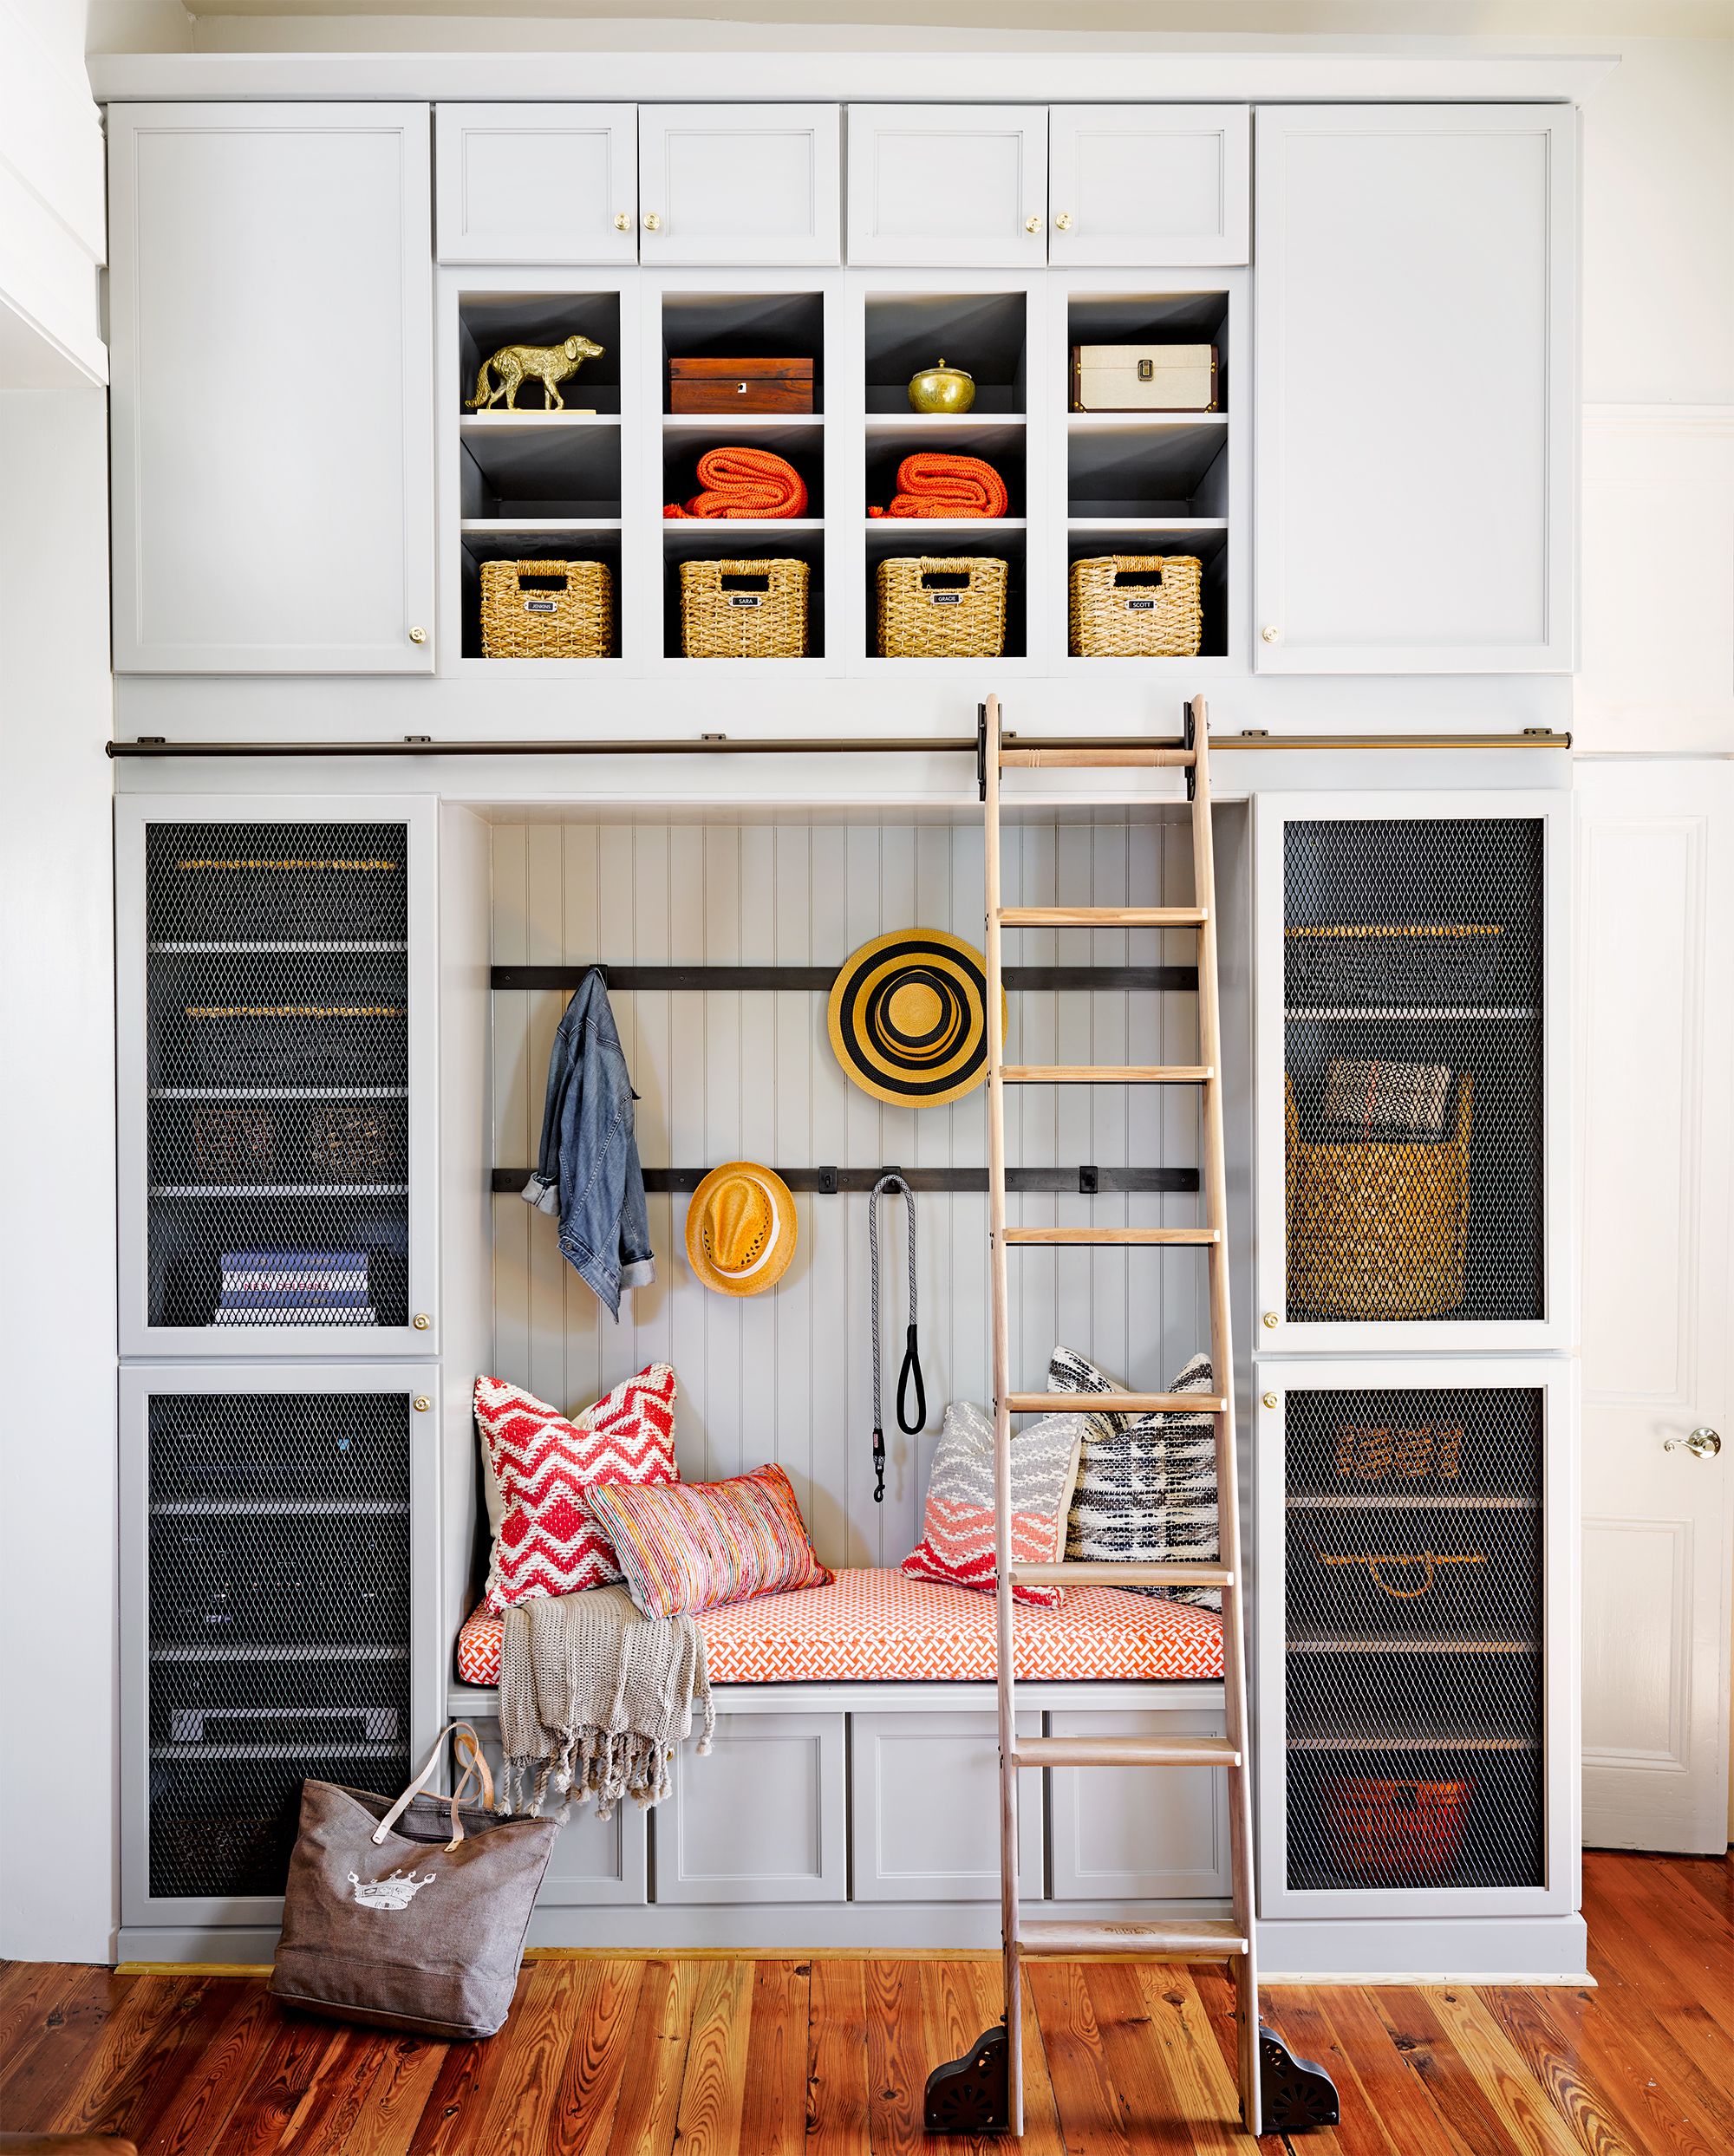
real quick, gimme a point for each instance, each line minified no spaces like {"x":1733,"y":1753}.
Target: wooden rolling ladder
{"x":983,"y":2091}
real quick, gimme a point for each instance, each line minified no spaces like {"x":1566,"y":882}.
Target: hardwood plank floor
{"x":776,"y":2055}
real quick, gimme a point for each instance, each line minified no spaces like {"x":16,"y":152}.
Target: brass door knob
{"x":622,"y":221}
{"x":1271,"y":633}
{"x":1270,"y":1399}
{"x":1704,"y":1444}
{"x":422,"y":1321}
{"x":1271,"y":1319}
{"x":422,"y":1404}
{"x":1031,"y":224}
{"x":1063,"y":222}
{"x":418,"y":636}
{"x":652,"y":222}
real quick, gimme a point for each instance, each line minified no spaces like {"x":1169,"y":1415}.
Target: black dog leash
{"x":911,"y":1370}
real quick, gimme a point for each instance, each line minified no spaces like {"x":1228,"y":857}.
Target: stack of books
{"x":296,"y":1288}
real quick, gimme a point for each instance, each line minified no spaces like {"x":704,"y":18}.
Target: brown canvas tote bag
{"x":410,"y":1913}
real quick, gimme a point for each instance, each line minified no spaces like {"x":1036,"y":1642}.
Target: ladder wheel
{"x":972,"y":2094}
{"x":1298,"y":2096}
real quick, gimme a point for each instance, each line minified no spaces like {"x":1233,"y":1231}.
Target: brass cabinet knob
{"x":1270,"y":1399}
{"x":418,"y":636}
{"x":1271,"y":633}
{"x":1031,"y":224}
{"x":1063,"y":222}
{"x":622,"y":221}
{"x":422,"y":1404}
{"x":652,"y":222}
{"x":1271,"y":1320}
{"x":422,"y":1321}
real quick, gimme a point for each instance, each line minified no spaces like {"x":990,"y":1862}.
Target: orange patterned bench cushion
{"x":878,"y":1627}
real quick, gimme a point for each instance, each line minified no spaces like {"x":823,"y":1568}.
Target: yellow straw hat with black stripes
{"x":908,"y":1017}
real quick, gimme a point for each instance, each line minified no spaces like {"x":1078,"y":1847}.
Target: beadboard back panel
{"x":787,"y":1375}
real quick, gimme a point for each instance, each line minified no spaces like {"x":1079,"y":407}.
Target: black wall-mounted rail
{"x":1087,"y":1180}
{"x":649,"y":980}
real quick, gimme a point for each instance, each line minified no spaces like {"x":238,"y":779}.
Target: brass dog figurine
{"x":550,"y":363}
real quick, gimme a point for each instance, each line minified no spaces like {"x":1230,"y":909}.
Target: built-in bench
{"x":850,"y":1796}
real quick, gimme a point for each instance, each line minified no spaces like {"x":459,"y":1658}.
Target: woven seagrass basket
{"x":1378,"y":1230}
{"x":1137,"y":606}
{"x":748,"y":609}
{"x":942,"y":607}
{"x":547,"y":610}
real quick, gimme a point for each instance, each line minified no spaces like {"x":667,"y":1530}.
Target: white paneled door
{"x":738,"y":185}
{"x":1415,"y":389}
{"x":1656,"y":959}
{"x":958,"y":184}
{"x":1148,"y":184}
{"x":272,"y":398}
{"x":537,"y":183}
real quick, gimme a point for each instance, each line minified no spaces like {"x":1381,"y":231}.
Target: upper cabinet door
{"x":271,"y":402}
{"x":949,"y":187}
{"x":1415,"y":389}
{"x":729,"y":184}
{"x":1148,"y":184}
{"x":537,"y":183}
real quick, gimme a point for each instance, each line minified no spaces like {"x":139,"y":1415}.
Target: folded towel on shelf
{"x":739,"y":482}
{"x":594,"y":1698}
{"x":931,"y":484}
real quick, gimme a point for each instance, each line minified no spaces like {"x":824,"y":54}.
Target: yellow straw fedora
{"x":741,"y":1228}
{"x":908,"y":1017}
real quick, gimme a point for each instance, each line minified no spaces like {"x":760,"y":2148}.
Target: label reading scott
{"x":1140,"y":606}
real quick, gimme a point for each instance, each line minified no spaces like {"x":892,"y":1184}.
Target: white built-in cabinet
{"x":960,"y":184}
{"x":271,"y":393}
{"x":738,"y":184}
{"x":537,"y":183}
{"x":1156,"y":185}
{"x":1415,"y":386}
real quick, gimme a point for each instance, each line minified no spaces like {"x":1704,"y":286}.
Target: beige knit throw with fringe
{"x":594,"y":1698}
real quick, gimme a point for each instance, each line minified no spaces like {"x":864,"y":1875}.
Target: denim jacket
{"x":589,"y":1175}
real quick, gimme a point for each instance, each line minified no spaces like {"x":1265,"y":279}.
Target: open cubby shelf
{"x":588,"y":485}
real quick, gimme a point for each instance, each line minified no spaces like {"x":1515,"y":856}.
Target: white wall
{"x":57,"y":1529}
{"x":51,"y":206}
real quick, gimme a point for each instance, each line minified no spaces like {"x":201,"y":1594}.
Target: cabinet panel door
{"x":760,"y":1817}
{"x":925,"y":1808}
{"x":1143,"y":1832}
{"x":537,"y":183}
{"x":1148,"y":184}
{"x":744,"y":183}
{"x":1416,"y":389}
{"x":272,"y":393}
{"x":959,"y":187}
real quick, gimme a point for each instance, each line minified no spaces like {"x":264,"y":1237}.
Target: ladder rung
{"x":1128,"y":759}
{"x":1102,"y":917}
{"x":1176,"y":1939}
{"x":1083,"y":1573}
{"x":1106,"y":1073}
{"x":1127,"y":1751}
{"x":1111,"y":1234}
{"x":1116,"y":1403}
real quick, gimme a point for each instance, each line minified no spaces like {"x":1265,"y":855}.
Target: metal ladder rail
{"x":983,"y":2091}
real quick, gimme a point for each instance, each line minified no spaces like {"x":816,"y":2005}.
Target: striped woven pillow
{"x":957,"y":1535}
{"x":1147,"y":1484}
{"x":695,"y":1546}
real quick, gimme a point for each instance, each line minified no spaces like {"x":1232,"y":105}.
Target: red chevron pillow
{"x":547,"y":1543}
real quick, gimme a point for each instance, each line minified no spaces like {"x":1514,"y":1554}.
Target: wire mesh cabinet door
{"x":1417,"y":1626}
{"x":276,"y":976}
{"x":1412,"y":1071}
{"x":278,"y":1616}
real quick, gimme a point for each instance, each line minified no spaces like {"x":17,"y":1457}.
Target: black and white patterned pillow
{"x":1146,"y":1484}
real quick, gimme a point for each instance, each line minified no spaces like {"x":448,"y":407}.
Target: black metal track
{"x":1089,"y":1181}
{"x":649,"y":978}
{"x":416,"y":744}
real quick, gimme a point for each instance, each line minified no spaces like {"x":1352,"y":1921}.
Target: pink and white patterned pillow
{"x":547,"y":1542}
{"x":957,"y":1535}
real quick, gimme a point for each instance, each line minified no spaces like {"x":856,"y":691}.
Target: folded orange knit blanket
{"x":743,"y":483}
{"x":931,"y":484}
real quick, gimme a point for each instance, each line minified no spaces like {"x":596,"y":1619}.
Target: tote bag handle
{"x":467,"y":1746}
